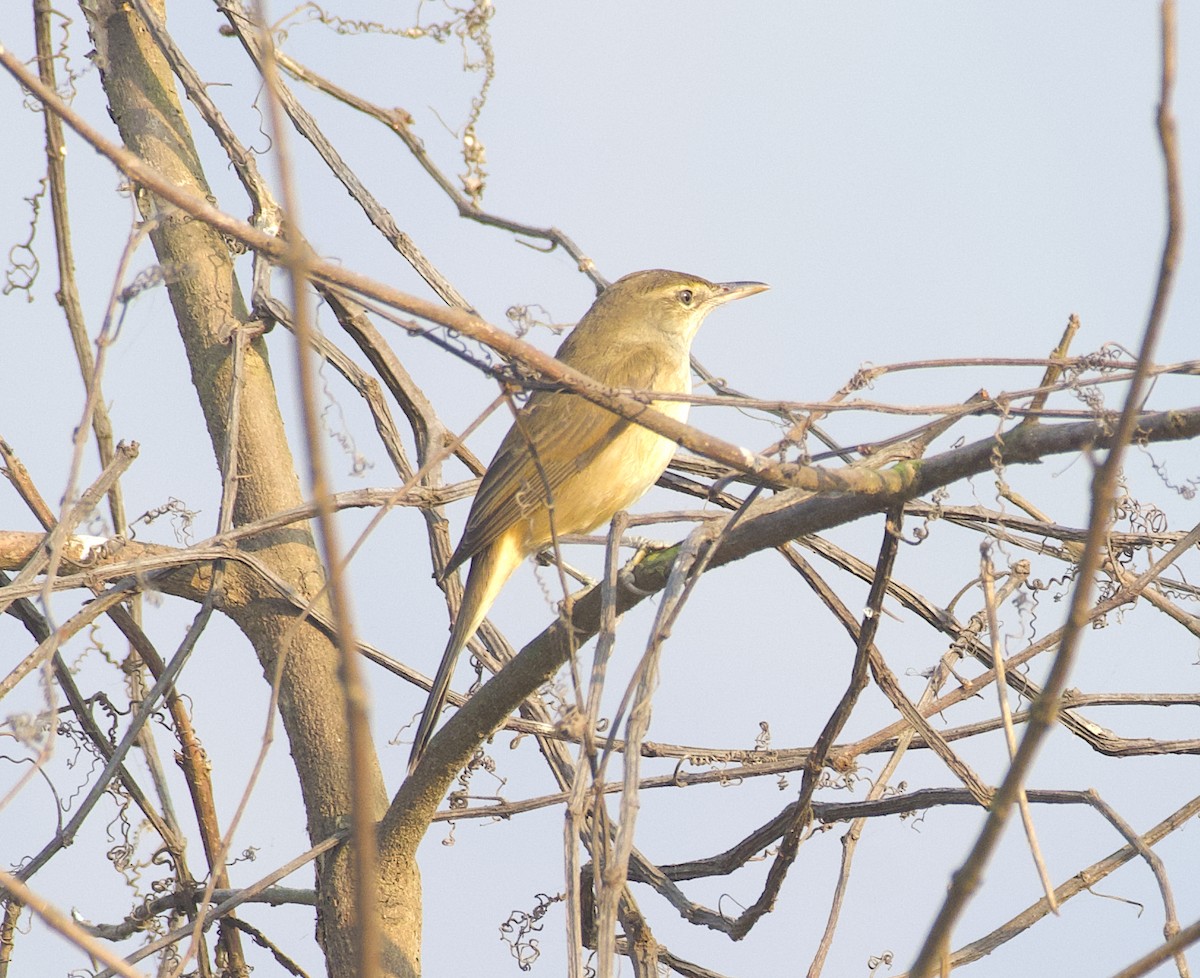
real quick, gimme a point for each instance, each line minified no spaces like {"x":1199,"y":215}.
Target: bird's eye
{"x":685,"y":296}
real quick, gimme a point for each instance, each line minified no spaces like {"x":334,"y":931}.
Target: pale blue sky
{"x":913,"y":180}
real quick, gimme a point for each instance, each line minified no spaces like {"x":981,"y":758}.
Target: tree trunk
{"x":208,"y":305}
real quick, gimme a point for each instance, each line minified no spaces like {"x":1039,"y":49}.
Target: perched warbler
{"x":567,"y":465}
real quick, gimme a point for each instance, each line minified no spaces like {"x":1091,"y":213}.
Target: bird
{"x":586,"y":463}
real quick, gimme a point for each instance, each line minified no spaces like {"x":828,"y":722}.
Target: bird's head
{"x":673,"y":302}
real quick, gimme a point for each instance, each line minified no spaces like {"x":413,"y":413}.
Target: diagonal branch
{"x":967,"y":879}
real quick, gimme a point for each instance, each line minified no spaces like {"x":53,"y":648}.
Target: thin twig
{"x":235,"y":900}
{"x":363,"y":813}
{"x":1080,"y":882}
{"x":966,"y":881}
{"x":59,"y":921}
{"x":988,"y":579}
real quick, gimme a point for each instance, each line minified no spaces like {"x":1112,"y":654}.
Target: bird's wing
{"x":567,"y":432}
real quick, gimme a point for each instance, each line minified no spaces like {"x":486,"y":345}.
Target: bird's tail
{"x":490,"y":569}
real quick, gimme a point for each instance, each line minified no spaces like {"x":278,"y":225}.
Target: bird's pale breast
{"x":615,"y":478}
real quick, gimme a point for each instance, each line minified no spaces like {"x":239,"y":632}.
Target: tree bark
{"x":208,"y":307}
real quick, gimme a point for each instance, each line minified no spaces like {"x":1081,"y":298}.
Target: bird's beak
{"x":728,"y":291}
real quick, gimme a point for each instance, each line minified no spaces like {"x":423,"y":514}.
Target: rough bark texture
{"x":208,"y":305}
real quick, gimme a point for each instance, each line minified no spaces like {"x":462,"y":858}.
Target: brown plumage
{"x":590,"y":463}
